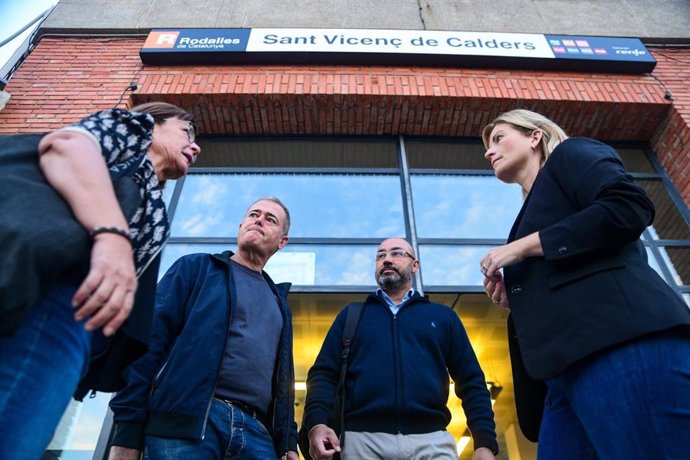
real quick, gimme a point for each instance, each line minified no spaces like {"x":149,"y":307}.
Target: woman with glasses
{"x":43,"y":358}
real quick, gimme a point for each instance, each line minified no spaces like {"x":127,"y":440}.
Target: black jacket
{"x":593,"y":288}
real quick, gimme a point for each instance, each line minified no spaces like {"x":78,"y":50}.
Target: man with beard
{"x":397,"y":379}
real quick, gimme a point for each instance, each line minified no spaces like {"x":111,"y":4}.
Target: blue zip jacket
{"x":398,"y":373}
{"x":170,"y":390}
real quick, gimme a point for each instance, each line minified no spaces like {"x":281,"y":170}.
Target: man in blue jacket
{"x":218,"y":379}
{"x":397,"y":380}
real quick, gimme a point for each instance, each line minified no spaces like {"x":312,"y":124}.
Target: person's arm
{"x":129,"y":405}
{"x":613,"y":209}
{"x":503,"y":256}
{"x":470,"y":387}
{"x":74,"y":166}
{"x":293,"y":435}
{"x":322,"y":381}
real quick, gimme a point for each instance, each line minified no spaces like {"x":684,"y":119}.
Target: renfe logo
{"x":164,"y":39}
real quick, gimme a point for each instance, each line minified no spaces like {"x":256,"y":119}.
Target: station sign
{"x":396,"y":47}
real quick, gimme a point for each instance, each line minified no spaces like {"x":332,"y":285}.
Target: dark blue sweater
{"x":397,"y":379}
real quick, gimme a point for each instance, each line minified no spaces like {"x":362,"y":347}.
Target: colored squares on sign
{"x":569,"y":42}
{"x":559,"y":49}
{"x":582,"y":43}
{"x":573,"y":50}
{"x":600,"y":51}
{"x":586,"y":51}
{"x":554,"y":42}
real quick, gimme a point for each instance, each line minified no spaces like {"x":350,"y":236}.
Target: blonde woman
{"x":589,"y":318}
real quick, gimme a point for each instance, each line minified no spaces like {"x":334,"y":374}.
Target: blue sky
{"x":16,"y":14}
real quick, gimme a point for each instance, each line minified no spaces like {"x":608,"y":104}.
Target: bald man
{"x":397,"y":380}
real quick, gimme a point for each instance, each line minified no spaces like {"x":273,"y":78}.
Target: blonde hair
{"x":528,"y":121}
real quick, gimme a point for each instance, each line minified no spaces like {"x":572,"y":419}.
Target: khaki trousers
{"x":438,"y":445}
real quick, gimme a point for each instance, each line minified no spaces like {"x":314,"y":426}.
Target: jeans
{"x":230,"y":434}
{"x":40,"y":367}
{"x":629,"y":403}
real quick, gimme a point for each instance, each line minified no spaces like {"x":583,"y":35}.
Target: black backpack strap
{"x":354,"y":313}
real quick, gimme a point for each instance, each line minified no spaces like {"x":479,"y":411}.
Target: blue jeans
{"x":630,"y":403}
{"x":230,"y":434}
{"x":40,"y":367}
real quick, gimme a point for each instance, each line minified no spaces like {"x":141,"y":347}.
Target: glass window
{"x":321,"y":205}
{"x":635,"y":160}
{"x":77,"y":434}
{"x":459,"y":206}
{"x":312,"y":316}
{"x":298,"y":153}
{"x":300,"y":264}
{"x":174,"y":251}
{"x":445,"y":155}
{"x":678,"y":261}
{"x":668,"y":222}
{"x":168,"y":191}
{"x":446,"y":265}
{"x":651,"y":260}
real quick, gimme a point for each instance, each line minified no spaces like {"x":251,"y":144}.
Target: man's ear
{"x":415,"y":266}
{"x":283,"y":242}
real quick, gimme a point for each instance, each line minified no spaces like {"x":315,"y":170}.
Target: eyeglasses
{"x":191,"y":134}
{"x":395,"y":254}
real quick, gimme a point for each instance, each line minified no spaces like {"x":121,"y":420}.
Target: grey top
{"x":249,"y":358}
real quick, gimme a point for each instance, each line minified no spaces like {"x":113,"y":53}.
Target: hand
{"x":502,"y":256}
{"x":511,"y":253}
{"x":108,"y":290}
{"x":124,"y":453}
{"x":290,"y":456}
{"x":496,"y":290}
{"x":483,"y":454}
{"x":323,"y":443}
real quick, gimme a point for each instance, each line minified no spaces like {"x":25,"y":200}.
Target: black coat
{"x":593,"y":288}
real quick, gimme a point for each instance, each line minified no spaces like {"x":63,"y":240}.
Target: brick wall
{"x":66,"y":78}
{"x":671,"y":141}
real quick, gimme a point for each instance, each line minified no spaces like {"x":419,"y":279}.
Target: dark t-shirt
{"x":249,"y":359}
